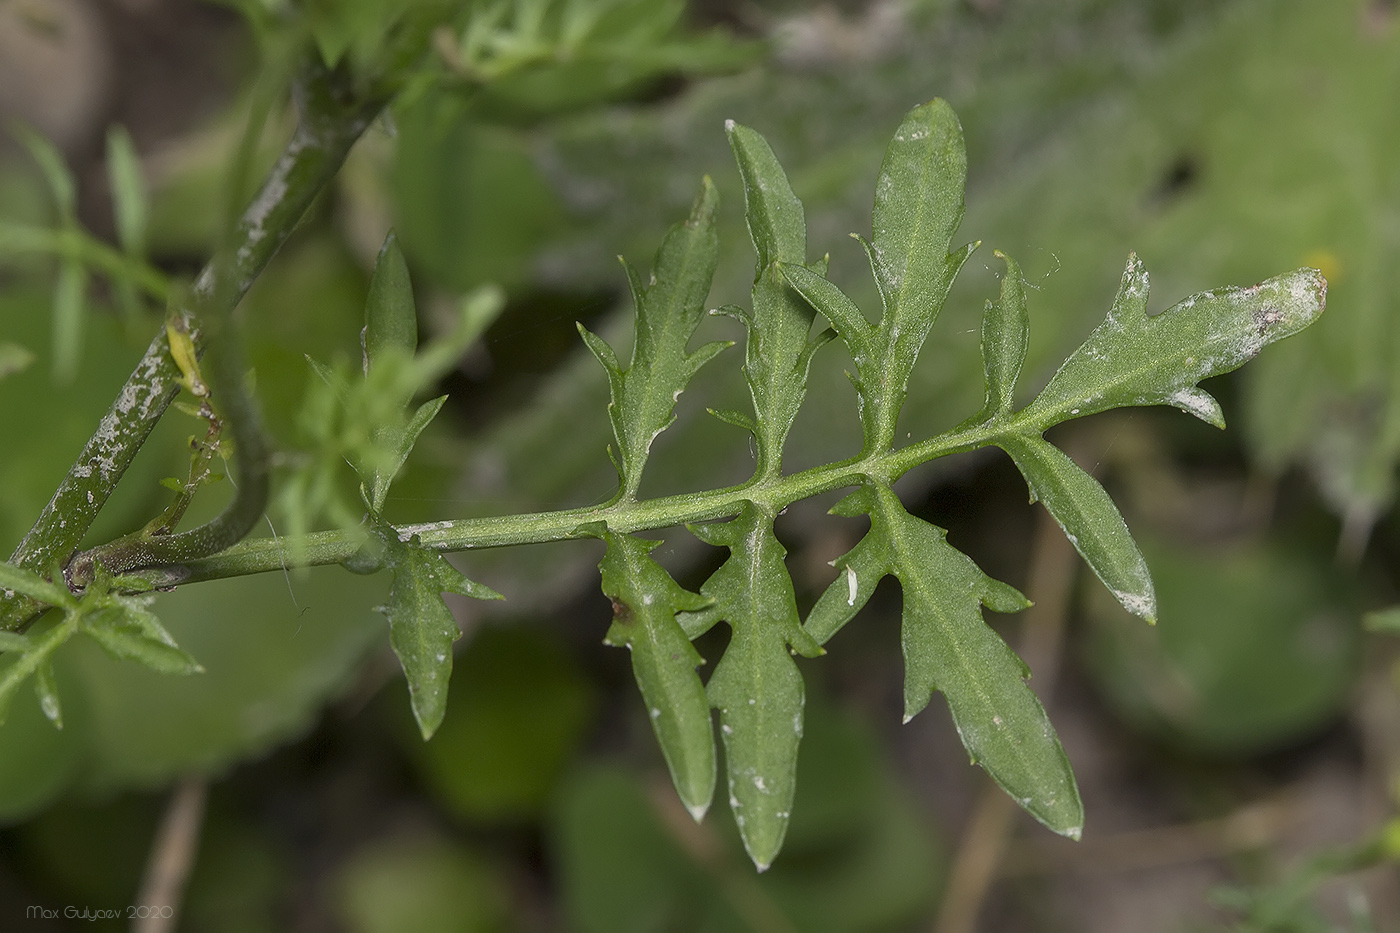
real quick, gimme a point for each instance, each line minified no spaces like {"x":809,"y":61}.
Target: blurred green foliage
{"x":1258,"y":649}
{"x":858,"y":855}
{"x":517,"y":711}
{"x":1223,"y":141}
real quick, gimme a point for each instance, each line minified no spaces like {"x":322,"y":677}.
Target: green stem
{"x":624,"y":516}
{"x":323,"y":138}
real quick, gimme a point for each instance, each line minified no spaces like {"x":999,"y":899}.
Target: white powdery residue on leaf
{"x":1194,"y":401}
{"x":1139,"y":604}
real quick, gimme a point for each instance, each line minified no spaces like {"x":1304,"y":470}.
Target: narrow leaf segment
{"x":122,"y":625}
{"x":669,"y":309}
{"x":421,"y":627}
{"x":1089,"y":518}
{"x":645,"y":602}
{"x":918,"y":206}
{"x":756,"y":686}
{"x":779,"y":350}
{"x":1005,"y":336}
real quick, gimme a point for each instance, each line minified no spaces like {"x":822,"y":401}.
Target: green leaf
{"x":1089,"y":518}
{"x":383,"y":474}
{"x":948,"y":647}
{"x":645,"y":602}
{"x":421,"y":882}
{"x":518,"y":711}
{"x":129,"y":201}
{"x":69,"y":297}
{"x":421,"y":628}
{"x":36,"y":587}
{"x":854,"y":328}
{"x":475,"y":313}
{"x":275,"y":661}
{"x":778,"y":352}
{"x":774,"y":214}
{"x":1005,"y":336}
{"x":46,"y":689}
{"x":41,"y":649}
{"x":51,"y":162}
{"x":1259,"y":648}
{"x":756,"y":686}
{"x":668,"y":311}
{"x":129,"y":632}
{"x":918,"y":206}
{"x":391,"y":319}
{"x":13,"y":358}
{"x":1133,"y":359}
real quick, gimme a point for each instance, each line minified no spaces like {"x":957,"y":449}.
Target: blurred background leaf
{"x":1225,"y":142}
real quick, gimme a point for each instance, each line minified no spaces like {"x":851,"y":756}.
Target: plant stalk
{"x":625,"y":516}
{"x":328,"y":128}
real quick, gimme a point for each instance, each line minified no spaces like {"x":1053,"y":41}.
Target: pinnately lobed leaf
{"x":1133,"y":359}
{"x":756,"y":686}
{"x":949,"y":647}
{"x":669,"y":310}
{"x":779,"y":349}
{"x":421,"y":627}
{"x":918,"y":206}
{"x":645,"y":602}
{"x":1130,"y":359}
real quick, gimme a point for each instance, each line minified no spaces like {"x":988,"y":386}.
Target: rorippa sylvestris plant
{"x":367,"y":418}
